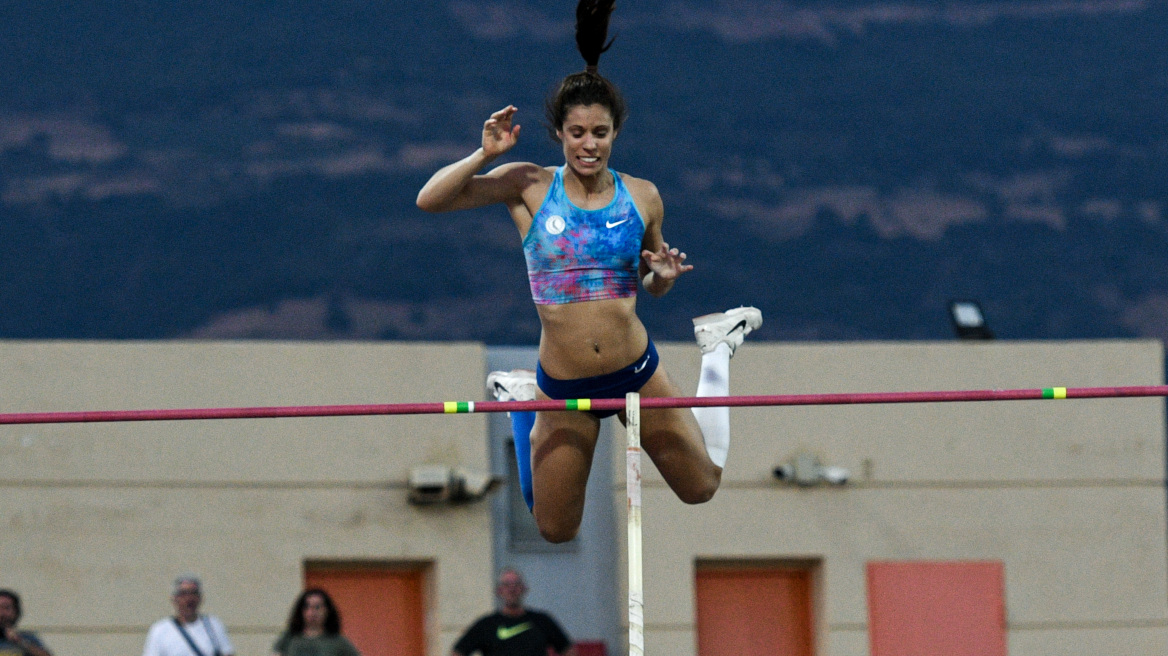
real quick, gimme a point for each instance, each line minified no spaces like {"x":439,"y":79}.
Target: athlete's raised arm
{"x":457,"y":186}
{"x":660,"y":265}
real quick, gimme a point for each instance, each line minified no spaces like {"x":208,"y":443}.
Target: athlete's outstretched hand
{"x":667,"y":263}
{"x":498,"y":133}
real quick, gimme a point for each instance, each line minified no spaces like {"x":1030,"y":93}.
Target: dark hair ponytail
{"x":592,"y":30}
{"x":588,"y":87}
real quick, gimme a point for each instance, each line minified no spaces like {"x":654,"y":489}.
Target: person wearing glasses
{"x":514,"y":630}
{"x":187,"y":632}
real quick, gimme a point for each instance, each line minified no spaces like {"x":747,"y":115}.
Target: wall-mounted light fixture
{"x":969,"y":321}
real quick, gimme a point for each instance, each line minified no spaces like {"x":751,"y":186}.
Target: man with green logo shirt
{"x":514,"y":630}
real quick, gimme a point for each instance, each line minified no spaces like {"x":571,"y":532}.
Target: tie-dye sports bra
{"x":575,"y":254}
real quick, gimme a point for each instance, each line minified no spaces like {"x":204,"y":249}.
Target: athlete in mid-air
{"x":590,"y":235}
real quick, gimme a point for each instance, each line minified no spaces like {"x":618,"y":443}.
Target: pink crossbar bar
{"x":577,"y":404}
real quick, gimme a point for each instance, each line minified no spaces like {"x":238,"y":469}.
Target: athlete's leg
{"x":715,"y":422}
{"x":718,"y":336}
{"x":521,"y":425}
{"x":518,"y":385}
{"x":673,"y":439}
{"x":562,"y":445}
{"x":690,"y":448}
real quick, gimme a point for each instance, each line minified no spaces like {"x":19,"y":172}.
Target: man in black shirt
{"x":514,"y":630}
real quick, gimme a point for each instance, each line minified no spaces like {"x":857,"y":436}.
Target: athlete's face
{"x":587,"y":136}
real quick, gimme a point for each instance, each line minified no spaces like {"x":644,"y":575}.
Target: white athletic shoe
{"x":514,"y":385}
{"x":727,"y":328}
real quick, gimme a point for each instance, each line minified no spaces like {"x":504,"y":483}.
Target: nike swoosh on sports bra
{"x":572,"y":253}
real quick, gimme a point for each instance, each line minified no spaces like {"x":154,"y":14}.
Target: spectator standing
{"x":188,"y":633}
{"x":514,"y":630}
{"x":13,"y":642}
{"x":314,"y":628}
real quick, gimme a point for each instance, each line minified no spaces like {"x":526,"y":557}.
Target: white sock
{"x":715,"y":422}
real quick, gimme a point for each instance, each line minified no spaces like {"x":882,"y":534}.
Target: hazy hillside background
{"x":213,"y":169}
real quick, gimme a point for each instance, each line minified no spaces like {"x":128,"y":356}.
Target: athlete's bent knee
{"x":556,"y":529}
{"x":700,"y":491}
{"x":557,"y":533}
{"x":698,"y":495}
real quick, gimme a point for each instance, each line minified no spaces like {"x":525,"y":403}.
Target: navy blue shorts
{"x":605,"y":386}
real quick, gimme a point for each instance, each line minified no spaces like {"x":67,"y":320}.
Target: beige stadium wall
{"x":1068,"y":494}
{"x":98,"y":518}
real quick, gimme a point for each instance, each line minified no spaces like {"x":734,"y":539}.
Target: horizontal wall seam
{"x":943,"y":485}
{"x":1157,"y":623}
{"x":1089,"y":624}
{"x":211,"y":485}
{"x":1043,"y":626}
{"x":140,"y":630}
{"x":732,"y":485}
{"x":1012,"y":626}
{"x":670,"y":626}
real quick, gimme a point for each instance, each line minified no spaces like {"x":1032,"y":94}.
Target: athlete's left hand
{"x":667,"y":263}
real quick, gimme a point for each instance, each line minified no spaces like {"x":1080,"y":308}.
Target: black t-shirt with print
{"x":529,"y":634}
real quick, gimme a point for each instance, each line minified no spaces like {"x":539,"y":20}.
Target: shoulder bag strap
{"x":211,"y":634}
{"x":186,"y":636}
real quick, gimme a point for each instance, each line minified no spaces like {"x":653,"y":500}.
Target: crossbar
{"x":460,"y":407}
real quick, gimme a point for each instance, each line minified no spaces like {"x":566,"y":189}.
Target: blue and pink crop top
{"x":575,"y":254}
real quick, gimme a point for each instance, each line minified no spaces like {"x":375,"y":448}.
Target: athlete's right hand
{"x":498,"y":133}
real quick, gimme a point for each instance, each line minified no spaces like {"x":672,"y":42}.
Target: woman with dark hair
{"x":12,"y":641}
{"x":314,"y":628}
{"x":589,"y":234}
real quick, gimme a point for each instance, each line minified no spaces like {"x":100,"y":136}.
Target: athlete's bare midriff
{"x":590,"y":338}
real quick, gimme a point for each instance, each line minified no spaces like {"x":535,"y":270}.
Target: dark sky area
{"x":248,"y":170}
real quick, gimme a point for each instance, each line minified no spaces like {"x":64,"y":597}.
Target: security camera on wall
{"x":471,"y":485}
{"x":430,"y":484}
